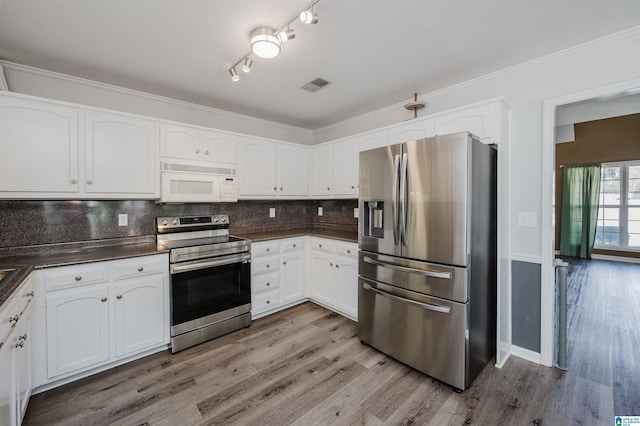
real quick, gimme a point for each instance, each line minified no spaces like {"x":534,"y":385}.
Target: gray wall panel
{"x":525,"y":305}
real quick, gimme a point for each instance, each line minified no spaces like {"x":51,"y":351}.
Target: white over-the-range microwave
{"x":185,"y":183}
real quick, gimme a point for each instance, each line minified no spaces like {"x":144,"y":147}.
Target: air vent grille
{"x":315,"y":84}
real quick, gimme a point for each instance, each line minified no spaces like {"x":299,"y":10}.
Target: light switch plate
{"x":320,"y":211}
{"x":527,"y":219}
{"x":355,"y":212}
{"x":123,"y":219}
{"x":272,"y":212}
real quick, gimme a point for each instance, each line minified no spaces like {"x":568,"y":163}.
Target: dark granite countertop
{"x":26,"y":260}
{"x":337,"y":234}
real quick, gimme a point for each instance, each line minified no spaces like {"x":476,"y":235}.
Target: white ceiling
{"x":375,"y":52}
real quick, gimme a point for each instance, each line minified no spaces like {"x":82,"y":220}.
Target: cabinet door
{"x":139,"y":314}
{"x":321,"y":274}
{"x":77,"y":329}
{"x":293,"y":167}
{"x":321,"y":179}
{"x":345,"y":168}
{"x":121,"y":154}
{"x":179,"y":142}
{"x":292,"y":276}
{"x":38,"y":147}
{"x":7,"y":372}
{"x":346,"y":282}
{"x":219,"y":147}
{"x":22,"y":364}
{"x":257,"y":168}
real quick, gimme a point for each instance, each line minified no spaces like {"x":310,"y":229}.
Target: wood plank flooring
{"x":306,"y":366}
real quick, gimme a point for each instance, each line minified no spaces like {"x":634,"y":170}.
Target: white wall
{"x":32,"y":81}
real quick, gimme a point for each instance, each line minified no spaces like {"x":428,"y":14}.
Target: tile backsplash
{"x":27,"y":223}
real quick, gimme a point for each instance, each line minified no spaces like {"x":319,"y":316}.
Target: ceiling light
{"x":264,"y":43}
{"x":309,"y":17}
{"x":246,"y":66}
{"x":286,"y":35}
{"x":234,"y":74}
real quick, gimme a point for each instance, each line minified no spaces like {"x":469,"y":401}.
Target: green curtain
{"x":580,"y":194}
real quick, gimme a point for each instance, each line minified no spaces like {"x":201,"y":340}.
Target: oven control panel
{"x":180,"y":222}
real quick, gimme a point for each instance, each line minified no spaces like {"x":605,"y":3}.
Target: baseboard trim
{"x":526,"y":354}
{"x":615,"y":258}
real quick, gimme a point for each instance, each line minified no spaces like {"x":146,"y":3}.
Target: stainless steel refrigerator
{"x":427,"y":259}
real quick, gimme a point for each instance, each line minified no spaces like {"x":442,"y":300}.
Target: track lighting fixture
{"x":308,"y":16}
{"x":266,"y":42}
{"x":234,"y":74}
{"x":246,"y":66}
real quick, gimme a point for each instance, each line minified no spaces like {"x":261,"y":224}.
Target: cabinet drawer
{"x":323,"y":245}
{"x":59,"y":278}
{"x":347,"y":249}
{"x":264,"y":249}
{"x":291,"y":244}
{"x":265,"y":282}
{"x":8,"y":318}
{"x":264,"y":301}
{"x":25,"y":294}
{"x":264,"y":265}
{"x":138,"y":266}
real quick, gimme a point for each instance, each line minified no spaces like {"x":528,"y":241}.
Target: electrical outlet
{"x":123,"y":219}
{"x":527,"y":219}
{"x":272,"y":212}
{"x":319,"y":211}
{"x":355,"y":212}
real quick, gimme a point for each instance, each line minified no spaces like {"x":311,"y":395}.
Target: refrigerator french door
{"x":427,"y":263}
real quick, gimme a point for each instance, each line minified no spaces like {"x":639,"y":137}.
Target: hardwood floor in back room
{"x":306,"y":366}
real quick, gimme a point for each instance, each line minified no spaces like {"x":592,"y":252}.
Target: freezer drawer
{"x":448,"y":282}
{"x":426,"y":333}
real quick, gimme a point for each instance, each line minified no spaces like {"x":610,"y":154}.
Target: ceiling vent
{"x":315,"y":85}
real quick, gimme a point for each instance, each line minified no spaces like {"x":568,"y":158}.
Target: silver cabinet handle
{"x":206,"y":153}
{"x":294,"y":245}
{"x":140,"y":269}
{"x":268,"y":249}
{"x":89,"y":182}
{"x":14,"y":319}
{"x":78,"y":277}
{"x":328,"y":188}
{"x":280,"y":188}
{"x":275,"y":188}
{"x":268,"y":301}
{"x":197,"y":151}
{"x":268,"y":266}
{"x":268,"y":284}
{"x":30,"y":294}
{"x":20,"y":344}
{"x":337,"y":266}
{"x":330,"y":263}
{"x":119,"y":297}
{"x":320,"y":245}
{"x":284,"y":263}
{"x":428,"y":306}
{"x":445,"y":275}
{"x":353,"y":187}
{"x":104,"y":299}
{"x":348,"y":251}
{"x":23,"y":337}
{"x":74,"y":181}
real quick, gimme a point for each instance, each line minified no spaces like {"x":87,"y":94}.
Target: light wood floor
{"x":306,"y":366}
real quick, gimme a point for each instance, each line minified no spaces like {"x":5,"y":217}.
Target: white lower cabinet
{"x":334,"y":275}
{"x":100,"y":313}
{"x":15,"y":355}
{"x":293,"y":257}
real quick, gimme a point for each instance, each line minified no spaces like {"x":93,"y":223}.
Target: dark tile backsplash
{"x":27,"y":223}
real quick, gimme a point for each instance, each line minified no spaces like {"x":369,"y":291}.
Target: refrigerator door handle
{"x":394,"y":200}
{"x":403,"y":200}
{"x":444,"y":275}
{"x":428,"y":306}
{"x":407,"y":197}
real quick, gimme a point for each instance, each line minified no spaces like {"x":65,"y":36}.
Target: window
{"x":619,"y":211}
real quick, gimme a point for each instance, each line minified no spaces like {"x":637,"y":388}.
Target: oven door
{"x":209,"y":290}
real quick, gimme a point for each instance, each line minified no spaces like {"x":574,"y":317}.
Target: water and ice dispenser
{"x":374,"y":219}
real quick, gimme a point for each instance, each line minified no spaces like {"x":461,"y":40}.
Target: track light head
{"x":234,"y":75}
{"x":286,"y":35}
{"x":246,"y":66}
{"x":309,"y":17}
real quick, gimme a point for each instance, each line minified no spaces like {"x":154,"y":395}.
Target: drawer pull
{"x":268,"y":249}
{"x":104,"y":299}
{"x":268,"y":266}
{"x":140,"y":269}
{"x":14,"y":320}
{"x":284,"y":263}
{"x":20,"y":344}
{"x":78,"y":277}
{"x":330,"y":263}
{"x":320,"y":245}
{"x":119,"y":297}
{"x":268,"y":284}
{"x":30,"y":294}
{"x":337,"y":266}
{"x":294,"y":245}
{"x":348,"y":251}
{"x":268,"y":301}
{"x":23,"y":337}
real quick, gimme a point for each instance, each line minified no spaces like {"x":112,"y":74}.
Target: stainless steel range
{"x":210,"y":278}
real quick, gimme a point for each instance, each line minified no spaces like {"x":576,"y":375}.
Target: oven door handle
{"x":178,"y":268}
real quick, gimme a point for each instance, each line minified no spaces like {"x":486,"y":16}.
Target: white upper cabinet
{"x":484,"y":121}
{"x":38,"y":147}
{"x":190,"y":143}
{"x":412,"y":130}
{"x":120,"y":155}
{"x":269,"y":169}
{"x":335,"y":170}
{"x":293,"y":171}
{"x":373,"y":140}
